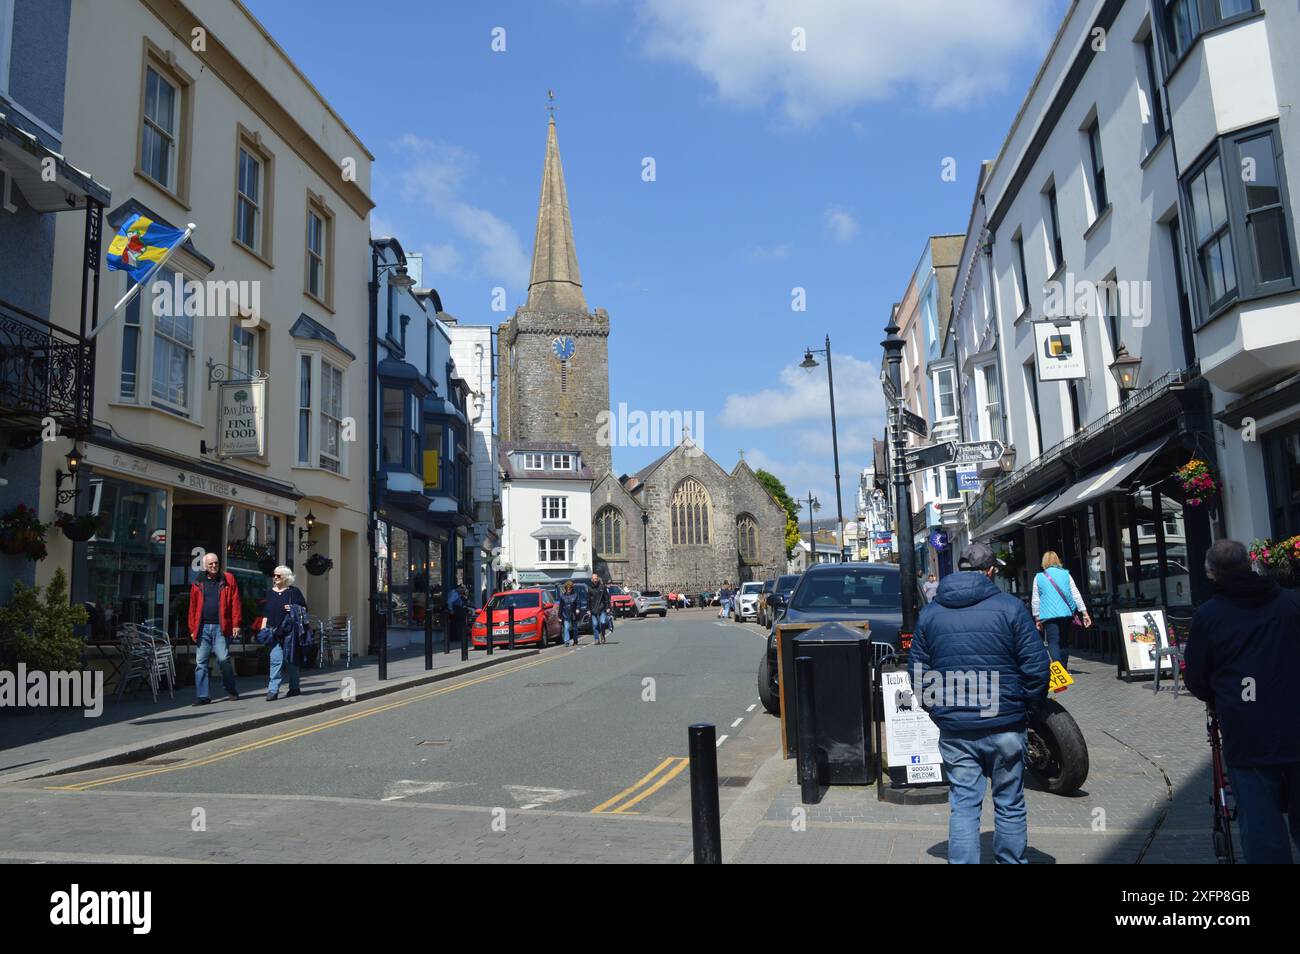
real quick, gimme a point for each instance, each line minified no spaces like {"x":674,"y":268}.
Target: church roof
{"x":554,"y":285}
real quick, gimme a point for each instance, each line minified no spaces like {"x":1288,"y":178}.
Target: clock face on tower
{"x":563,"y":347}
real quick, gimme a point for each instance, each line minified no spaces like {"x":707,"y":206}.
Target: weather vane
{"x":550,"y":102}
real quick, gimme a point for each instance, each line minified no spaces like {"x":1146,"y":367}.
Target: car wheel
{"x":663,"y":615}
{"x":767,"y":691}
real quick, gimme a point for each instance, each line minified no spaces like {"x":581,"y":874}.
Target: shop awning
{"x":1018,"y":516}
{"x":1101,"y":482}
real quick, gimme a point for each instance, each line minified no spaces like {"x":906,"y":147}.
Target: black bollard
{"x":465,"y":634}
{"x":806,"y":742}
{"x":488,"y":634}
{"x":706,"y":819}
{"x":428,"y":637}
{"x":510,"y":622}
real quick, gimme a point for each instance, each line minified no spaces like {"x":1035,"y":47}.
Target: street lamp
{"x":74,"y":462}
{"x":645,"y":548}
{"x":1008,"y":459}
{"x":893,"y":345}
{"x":813,"y":504}
{"x":1125,"y":368}
{"x":809,"y":362}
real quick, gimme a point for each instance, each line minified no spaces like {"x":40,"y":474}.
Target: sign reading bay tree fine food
{"x":241,"y":418}
{"x":911,"y":737}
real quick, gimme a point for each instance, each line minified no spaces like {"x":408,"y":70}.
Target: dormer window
{"x":534,"y":462}
{"x":562,"y":462}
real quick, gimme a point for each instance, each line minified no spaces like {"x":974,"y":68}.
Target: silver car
{"x":651,"y":601}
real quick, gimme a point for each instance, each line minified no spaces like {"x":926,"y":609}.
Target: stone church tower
{"x":554,"y":353}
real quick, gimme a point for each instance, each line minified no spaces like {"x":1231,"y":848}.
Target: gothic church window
{"x":609,"y":532}
{"x":747,"y":538}
{"x":691,"y":514}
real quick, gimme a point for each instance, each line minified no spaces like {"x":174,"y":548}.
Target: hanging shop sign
{"x":241,"y":418}
{"x":1058,"y":348}
{"x":968,"y":478}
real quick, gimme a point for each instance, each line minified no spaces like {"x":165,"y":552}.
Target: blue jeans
{"x":1260,"y":805}
{"x":570,"y":631}
{"x":600,"y":624}
{"x":280,"y":665}
{"x":1057,"y":632}
{"x":212,"y":640}
{"x":971,"y":757}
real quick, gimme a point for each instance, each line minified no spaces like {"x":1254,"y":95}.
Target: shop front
{"x":157,"y":518}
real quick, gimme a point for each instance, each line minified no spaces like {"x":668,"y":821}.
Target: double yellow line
{"x":296,"y":733}
{"x":661,"y":775}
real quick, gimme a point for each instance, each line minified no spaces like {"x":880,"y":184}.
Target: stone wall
{"x":629,"y":568}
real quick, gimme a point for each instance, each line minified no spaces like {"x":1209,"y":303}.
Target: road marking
{"x":299,"y":733}
{"x":737,"y":722}
{"x":721,"y":739}
{"x":532,"y":796}
{"x":672,"y":765}
{"x":405,"y":787}
{"x":752,"y":707}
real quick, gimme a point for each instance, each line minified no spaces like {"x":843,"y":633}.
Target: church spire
{"x":554,"y":285}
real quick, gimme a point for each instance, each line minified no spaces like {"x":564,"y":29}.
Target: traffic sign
{"x":913,"y":422}
{"x":976,"y":452}
{"x":931,"y":455}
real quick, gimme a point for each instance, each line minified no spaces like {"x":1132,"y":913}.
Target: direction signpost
{"x":931,"y":455}
{"x":978,"y":452}
{"x":913,"y":422}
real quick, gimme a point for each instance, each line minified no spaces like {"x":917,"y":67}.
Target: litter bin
{"x":842,"y":703}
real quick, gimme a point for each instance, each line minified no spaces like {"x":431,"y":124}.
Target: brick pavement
{"x":1146,"y":799}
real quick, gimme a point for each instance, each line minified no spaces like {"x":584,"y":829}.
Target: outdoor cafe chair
{"x":334,"y":635}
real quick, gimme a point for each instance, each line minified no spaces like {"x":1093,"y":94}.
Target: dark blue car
{"x":831,"y":592}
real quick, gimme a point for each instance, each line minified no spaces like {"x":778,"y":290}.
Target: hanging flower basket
{"x":1279,"y":558}
{"x":1199,"y":485}
{"x":77,"y":527}
{"x":23,"y":534}
{"x":318,"y":565}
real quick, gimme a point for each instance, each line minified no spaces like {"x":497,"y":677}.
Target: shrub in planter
{"x":23,"y":534}
{"x":77,"y":527}
{"x":37,"y":627}
{"x":318,"y":565}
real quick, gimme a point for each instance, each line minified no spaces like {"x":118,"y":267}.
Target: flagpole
{"x":135,"y":289}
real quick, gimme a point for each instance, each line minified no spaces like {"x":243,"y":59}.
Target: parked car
{"x":837,"y":592}
{"x":622,"y":602}
{"x":745,"y":605}
{"x":762,"y":600}
{"x":651,"y":601}
{"x":772,"y":603}
{"x":536,"y":620}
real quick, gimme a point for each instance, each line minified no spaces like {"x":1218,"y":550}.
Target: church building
{"x":680,"y":523}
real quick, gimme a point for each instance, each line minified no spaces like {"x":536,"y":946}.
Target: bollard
{"x":510,"y":622}
{"x":488,"y":633}
{"x":806,"y":742}
{"x":706,"y":819}
{"x":428,"y":637}
{"x":447,"y":627}
{"x":465,"y":634}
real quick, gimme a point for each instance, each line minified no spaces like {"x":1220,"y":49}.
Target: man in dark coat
{"x":598,"y":606}
{"x":1242,"y":658}
{"x":980,"y":668}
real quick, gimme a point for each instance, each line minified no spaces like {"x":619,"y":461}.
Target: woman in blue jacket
{"x":570,"y":612}
{"x":1056,"y":600}
{"x":279,"y":598}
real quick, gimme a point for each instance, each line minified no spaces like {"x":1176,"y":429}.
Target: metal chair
{"x":163,"y":659}
{"x":138,"y":661}
{"x":336,"y":633}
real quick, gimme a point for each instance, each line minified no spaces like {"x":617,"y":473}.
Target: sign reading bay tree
{"x":241,"y":418}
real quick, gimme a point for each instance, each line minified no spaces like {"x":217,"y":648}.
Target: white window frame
{"x":304,"y":455}
{"x":561,"y":462}
{"x":145,"y":350}
{"x":938,"y":406}
{"x":546,"y":550}
{"x":989,"y":422}
{"x":555,"y":507}
{"x":316,"y":412}
{"x":534,"y":461}
{"x":324,"y":417}
{"x":255,"y":201}
{"x":174,"y":138}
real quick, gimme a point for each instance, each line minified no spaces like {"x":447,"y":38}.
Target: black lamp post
{"x":645,"y":547}
{"x":893,"y":345}
{"x":810,"y":362}
{"x":813,"y":504}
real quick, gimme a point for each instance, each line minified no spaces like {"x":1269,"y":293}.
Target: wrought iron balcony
{"x":45,"y":371}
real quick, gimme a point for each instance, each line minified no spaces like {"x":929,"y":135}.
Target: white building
{"x":1124,"y":245}
{"x":206,"y":120}
{"x":546,"y":512}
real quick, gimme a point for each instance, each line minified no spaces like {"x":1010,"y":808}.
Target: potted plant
{"x":23,"y":534}
{"x":77,"y":527}
{"x":318,"y":565}
{"x":1198,"y":482}
{"x":38,"y":627}
{"x":1278,"y":558}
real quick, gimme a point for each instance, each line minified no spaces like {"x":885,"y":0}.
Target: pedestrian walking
{"x":214,"y":618}
{"x":457,"y":607}
{"x":930,"y":587}
{"x":1242,"y":656}
{"x":570,"y":609}
{"x":972,"y":626}
{"x":284,"y":630}
{"x":1058,"y":607}
{"x":598,"y":606}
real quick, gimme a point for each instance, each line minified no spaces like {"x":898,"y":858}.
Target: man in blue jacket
{"x":1242,"y":657}
{"x":980,"y":668}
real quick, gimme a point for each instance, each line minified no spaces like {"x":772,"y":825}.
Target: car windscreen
{"x":853,"y":588}
{"x":615,"y":590}
{"x":504,"y":601}
{"x":751,"y":588}
{"x":787,"y":583}
{"x":651,"y":593}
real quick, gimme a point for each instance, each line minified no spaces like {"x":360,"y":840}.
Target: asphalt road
{"x":572,"y":755}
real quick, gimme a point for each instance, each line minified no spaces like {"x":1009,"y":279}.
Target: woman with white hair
{"x":284,"y":660}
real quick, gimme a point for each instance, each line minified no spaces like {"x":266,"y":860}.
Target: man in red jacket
{"x":214,"y":617}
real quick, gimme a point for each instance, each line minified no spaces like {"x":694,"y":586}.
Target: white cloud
{"x":839,"y":224}
{"x":945,"y":53}
{"x":431,"y":179}
{"x":771,"y":253}
{"x":802,"y":395}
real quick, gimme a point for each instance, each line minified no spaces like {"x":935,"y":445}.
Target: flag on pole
{"x":140,"y":245}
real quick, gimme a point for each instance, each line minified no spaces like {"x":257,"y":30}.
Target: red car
{"x":621,"y":602}
{"x":535,"y":618}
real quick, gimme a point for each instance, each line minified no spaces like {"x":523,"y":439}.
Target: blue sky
{"x":775,"y":168}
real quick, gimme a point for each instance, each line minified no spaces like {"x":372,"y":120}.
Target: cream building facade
{"x":207,"y":121}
